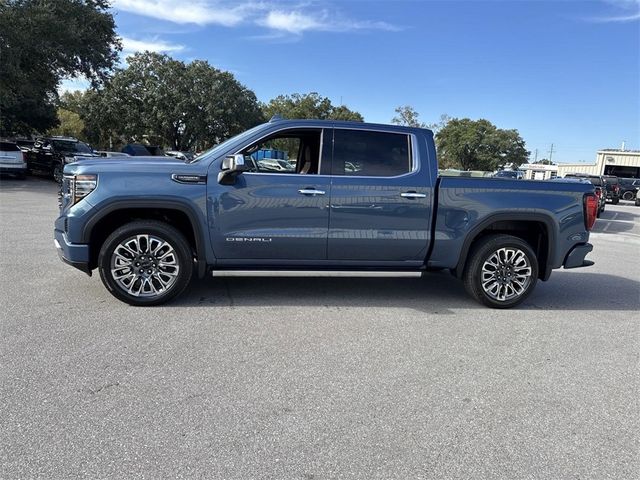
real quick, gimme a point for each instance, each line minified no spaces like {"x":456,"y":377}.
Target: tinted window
{"x":8,"y":147}
{"x":70,"y":146}
{"x":370,"y":154}
{"x":291,"y":151}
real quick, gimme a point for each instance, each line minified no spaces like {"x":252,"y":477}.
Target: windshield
{"x":68,"y":146}
{"x":221,"y":147}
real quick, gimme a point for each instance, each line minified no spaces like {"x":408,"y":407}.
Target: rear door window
{"x":9,"y":147}
{"x":363,"y":153}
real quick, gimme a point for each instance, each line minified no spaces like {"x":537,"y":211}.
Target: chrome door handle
{"x":413,"y":195}
{"x":311,"y":191}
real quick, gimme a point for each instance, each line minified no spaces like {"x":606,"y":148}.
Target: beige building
{"x":621,"y":163}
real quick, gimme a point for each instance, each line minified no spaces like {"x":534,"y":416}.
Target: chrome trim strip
{"x":412,"y":195}
{"x":309,"y":191}
{"x":414,"y":151}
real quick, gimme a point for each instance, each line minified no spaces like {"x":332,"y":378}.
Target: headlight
{"x":69,"y":159}
{"x":81,"y":186}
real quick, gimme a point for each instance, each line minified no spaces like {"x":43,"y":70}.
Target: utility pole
{"x":535,"y":160}
{"x":550,"y":153}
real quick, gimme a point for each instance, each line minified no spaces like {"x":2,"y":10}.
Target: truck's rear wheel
{"x":145,"y":263}
{"x":501,"y":271}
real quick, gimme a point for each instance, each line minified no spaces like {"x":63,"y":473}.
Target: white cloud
{"x":297,"y":22}
{"x":199,"y":12}
{"x":267,"y":13}
{"x":292,"y":22}
{"x":130,"y":45}
{"x":619,"y":19}
{"x":629,"y":11}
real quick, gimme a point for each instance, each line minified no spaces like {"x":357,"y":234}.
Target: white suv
{"x":12,"y":160}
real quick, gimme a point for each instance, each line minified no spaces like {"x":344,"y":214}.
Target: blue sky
{"x":561,"y":72}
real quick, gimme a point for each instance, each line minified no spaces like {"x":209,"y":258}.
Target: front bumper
{"x":76,"y":255}
{"x":575,"y":257}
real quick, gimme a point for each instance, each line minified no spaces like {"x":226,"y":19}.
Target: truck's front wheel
{"x":501,"y":271}
{"x":145,"y":263}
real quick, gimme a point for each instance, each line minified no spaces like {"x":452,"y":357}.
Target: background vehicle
{"x":387,"y":211}
{"x":186,"y":156}
{"x":599,"y":182}
{"x":24,"y":144}
{"x":140,"y":150}
{"x":514,"y":174}
{"x":106,"y":154}
{"x":612,"y":188}
{"x":51,"y":154}
{"x":12,"y":160}
{"x":628,"y":188}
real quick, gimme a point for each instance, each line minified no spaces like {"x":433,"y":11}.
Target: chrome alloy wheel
{"x":506,"y":274}
{"x":144,"y":265}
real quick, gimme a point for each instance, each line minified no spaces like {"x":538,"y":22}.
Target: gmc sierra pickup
{"x":316,"y":195}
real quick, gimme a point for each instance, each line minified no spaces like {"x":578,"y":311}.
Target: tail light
{"x":590,"y":202}
{"x":616,"y":188}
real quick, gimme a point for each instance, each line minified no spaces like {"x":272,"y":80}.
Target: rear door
{"x":381,"y":200}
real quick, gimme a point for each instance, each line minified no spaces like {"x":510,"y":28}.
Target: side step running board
{"x":310,"y":273}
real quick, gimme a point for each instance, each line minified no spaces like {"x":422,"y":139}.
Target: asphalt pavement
{"x":315,"y":378}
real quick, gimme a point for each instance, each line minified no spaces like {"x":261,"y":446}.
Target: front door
{"x":279,"y":210}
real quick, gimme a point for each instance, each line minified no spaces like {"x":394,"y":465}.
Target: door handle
{"x":311,"y":191}
{"x":413,"y":195}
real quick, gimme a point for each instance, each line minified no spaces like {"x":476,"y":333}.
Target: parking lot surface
{"x":314,"y":378}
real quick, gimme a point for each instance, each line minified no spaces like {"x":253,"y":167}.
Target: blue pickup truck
{"x":358,"y":196}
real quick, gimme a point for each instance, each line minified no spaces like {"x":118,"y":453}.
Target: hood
{"x":130,"y":165}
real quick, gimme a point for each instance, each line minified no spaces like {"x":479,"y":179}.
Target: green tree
{"x":478,"y":145}
{"x":308,"y":105}
{"x":440,"y":124}
{"x":169,"y":102}
{"x":69,"y":125}
{"x":42,"y":42}
{"x":407,"y":116}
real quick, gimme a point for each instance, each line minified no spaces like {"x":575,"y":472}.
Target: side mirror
{"x":232,"y":166}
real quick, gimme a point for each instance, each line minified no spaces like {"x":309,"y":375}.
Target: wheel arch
{"x":118,"y":213}
{"x":537,"y":229}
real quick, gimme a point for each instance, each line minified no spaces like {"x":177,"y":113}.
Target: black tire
{"x":615,"y":201}
{"x":628,"y":196}
{"x":57,"y":171}
{"x":154,"y":231}
{"x":482,"y":252}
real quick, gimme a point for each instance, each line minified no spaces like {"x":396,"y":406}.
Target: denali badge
{"x":248,"y":239}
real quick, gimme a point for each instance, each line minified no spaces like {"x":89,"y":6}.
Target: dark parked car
{"x":140,"y":150}
{"x":51,"y":154}
{"x":512,"y":174}
{"x":24,"y":144}
{"x":599,"y":182}
{"x":612,"y":188}
{"x":628,"y":187}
